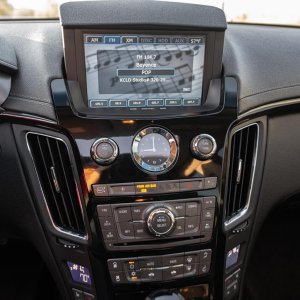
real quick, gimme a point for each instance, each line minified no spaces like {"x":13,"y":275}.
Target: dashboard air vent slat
{"x":53,"y":165}
{"x":241,"y":167}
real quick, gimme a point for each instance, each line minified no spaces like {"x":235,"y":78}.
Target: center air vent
{"x":242,"y":159}
{"x":53,"y":165}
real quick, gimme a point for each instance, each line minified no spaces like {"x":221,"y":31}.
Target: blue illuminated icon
{"x":80,"y":274}
{"x":112,"y":39}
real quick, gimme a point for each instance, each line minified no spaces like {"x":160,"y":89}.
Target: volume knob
{"x":104,"y":151}
{"x":203,"y":146}
{"x":161,"y":221}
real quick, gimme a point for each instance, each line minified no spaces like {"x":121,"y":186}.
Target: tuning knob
{"x":203,"y":146}
{"x":161,"y":221}
{"x":104,"y":151}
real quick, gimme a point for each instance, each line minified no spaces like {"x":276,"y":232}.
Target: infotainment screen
{"x":144,"y":73}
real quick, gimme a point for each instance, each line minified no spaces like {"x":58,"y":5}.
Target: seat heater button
{"x":204,"y":268}
{"x":205,"y":256}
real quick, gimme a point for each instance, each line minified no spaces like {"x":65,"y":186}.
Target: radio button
{"x":192,"y":224}
{"x":173,"y":260}
{"x":152,"y":275}
{"x":179,"y":227}
{"x":118,"y":103}
{"x":173,"y":273}
{"x":210,"y":182}
{"x":126,"y":230}
{"x":140,"y":231}
{"x":104,"y":211}
{"x":137,"y":212}
{"x":192,"y":209}
{"x":173,"y":102}
{"x":191,"y":102}
{"x":208,"y":214}
{"x":136,"y":103}
{"x":179,"y":209}
{"x":106,"y":223}
{"x":155,"y":102}
{"x":208,"y":202}
{"x":123,"y":214}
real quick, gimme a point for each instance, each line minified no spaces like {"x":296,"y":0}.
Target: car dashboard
{"x":143,"y":144}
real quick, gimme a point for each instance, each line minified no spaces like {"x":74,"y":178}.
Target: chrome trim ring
{"x":158,"y":169}
{"x":156,"y":212}
{"x":195,"y":150}
{"x":102,"y":161}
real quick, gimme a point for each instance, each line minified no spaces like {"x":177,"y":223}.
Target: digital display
{"x":232,"y":256}
{"x":79,"y":274}
{"x":144,"y":73}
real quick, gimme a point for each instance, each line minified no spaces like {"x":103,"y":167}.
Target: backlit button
{"x":192,"y":225}
{"x":140,"y":231}
{"x":179,"y":227}
{"x":78,"y":295}
{"x":132,"y":264}
{"x":118,"y":277}
{"x":210,"y":183}
{"x":106,"y":223}
{"x":208,"y":202}
{"x":205,"y":256}
{"x":153,"y":262}
{"x":104,"y":211}
{"x":152,"y":275}
{"x":115,"y":265}
{"x":206,"y":226}
{"x":204,"y":268}
{"x":134,"y":275}
{"x":173,"y":273}
{"x":208,"y":214}
{"x":126,"y":230}
{"x":179,"y":208}
{"x":173,"y":260}
{"x":191,"y":270}
{"x":124,"y":214}
{"x":192,"y":209}
{"x":100,"y":190}
{"x":137,"y":212}
{"x":121,"y":190}
{"x":109,"y":235}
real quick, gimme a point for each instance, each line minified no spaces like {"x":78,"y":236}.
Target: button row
{"x":155,"y":187}
{"x":232,"y":284}
{"x":159,"y":268}
{"x":108,"y":103}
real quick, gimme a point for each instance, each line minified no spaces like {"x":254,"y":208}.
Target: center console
{"x":147,"y":110}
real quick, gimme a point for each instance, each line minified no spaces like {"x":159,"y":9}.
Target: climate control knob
{"x":203,"y":146}
{"x":104,"y":151}
{"x":161,"y":221}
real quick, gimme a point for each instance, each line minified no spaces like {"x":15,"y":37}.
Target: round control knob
{"x":104,"y":151}
{"x":203,"y":146}
{"x":161,"y":221}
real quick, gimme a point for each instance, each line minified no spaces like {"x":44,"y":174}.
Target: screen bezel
{"x":75,"y":67}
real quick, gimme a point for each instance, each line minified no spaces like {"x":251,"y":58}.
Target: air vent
{"x":53,"y":165}
{"x":243,"y":151}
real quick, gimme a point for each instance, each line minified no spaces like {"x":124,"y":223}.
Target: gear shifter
{"x":165,"y":295}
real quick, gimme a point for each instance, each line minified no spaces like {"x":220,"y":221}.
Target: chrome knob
{"x":161,"y":221}
{"x":203,"y":146}
{"x":104,"y":151}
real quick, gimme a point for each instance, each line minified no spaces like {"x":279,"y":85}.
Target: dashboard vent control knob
{"x":161,"y":221}
{"x":203,"y":146}
{"x":104,"y":151}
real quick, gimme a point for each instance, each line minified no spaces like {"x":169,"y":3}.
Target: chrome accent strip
{"x":57,"y":228}
{"x":253,"y":169}
{"x":269,"y":106}
{"x":27,"y":117}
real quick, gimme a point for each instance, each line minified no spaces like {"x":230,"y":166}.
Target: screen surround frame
{"x":75,"y":69}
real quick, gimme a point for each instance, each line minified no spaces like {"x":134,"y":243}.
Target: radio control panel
{"x":123,"y":225}
{"x":160,"y":268}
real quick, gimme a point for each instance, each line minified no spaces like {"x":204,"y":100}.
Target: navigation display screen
{"x":144,"y":73}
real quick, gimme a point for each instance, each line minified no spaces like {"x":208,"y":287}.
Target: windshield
{"x":241,"y":11}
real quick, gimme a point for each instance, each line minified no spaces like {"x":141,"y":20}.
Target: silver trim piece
{"x":195,"y":149}
{"x":27,"y":117}
{"x":104,"y":161}
{"x":57,"y":228}
{"x":155,"y":212}
{"x":157,"y":169}
{"x":227,"y":223}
